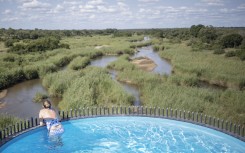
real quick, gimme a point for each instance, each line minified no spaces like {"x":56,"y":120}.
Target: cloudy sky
{"x":120,"y":14}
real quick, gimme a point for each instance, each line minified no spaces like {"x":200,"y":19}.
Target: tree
{"x":194,"y":30}
{"x":207,"y":34}
{"x":231,"y":40}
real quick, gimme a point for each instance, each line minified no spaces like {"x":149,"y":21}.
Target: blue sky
{"x":120,"y":14}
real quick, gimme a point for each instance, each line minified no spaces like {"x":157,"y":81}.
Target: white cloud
{"x":104,"y":9}
{"x":35,"y":4}
{"x":91,"y":16}
{"x":57,"y":9}
{"x":148,"y":1}
{"x":10,"y":19}
{"x":214,"y":2}
{"x":96,"y":2}
{"x":242,"y":6}
{"x":7,"y":12}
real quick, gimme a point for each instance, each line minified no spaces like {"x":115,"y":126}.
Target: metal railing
{"x":227,"y":127}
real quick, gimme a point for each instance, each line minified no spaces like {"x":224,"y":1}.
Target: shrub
{"x":9,"y":58}
{"x":79,"y":63}
{"x":231,"y":40}
{"x":46,"y":68}
{"x":11,"y":77}
{"x":95,"y":88}
{"x":39,"y":97}
{"x":241,"y":54}
{"x":156,"y":48}
{"x":57,"y":83}
{"x":30,"y":72}
{"x":219,"y":51}
{"x":230,"y":54}
{"x":242,"y":84}
{"x":7,"y":120}
{"x":9,"y":42}
{"x":190,"y":81}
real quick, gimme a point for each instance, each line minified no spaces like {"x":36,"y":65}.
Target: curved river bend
{"x":18,"y":101}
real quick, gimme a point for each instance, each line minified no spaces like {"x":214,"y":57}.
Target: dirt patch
{"x":102,"y":46}
{"x":144,"y":63}
{"x":3,"y":93}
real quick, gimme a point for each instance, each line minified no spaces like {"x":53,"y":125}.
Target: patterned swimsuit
{"x":52,"y":123}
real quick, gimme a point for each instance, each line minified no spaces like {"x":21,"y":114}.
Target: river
{"x":18,"y":101}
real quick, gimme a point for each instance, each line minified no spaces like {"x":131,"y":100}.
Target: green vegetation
{"x":197,"y":54}
{"x":94,"y":88}
{"x":6,"y":120}
{"x":39,"y":97}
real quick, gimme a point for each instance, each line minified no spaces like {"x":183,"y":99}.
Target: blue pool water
{"x":126,"y":134}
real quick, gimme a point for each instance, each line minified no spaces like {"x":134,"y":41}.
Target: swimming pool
{"x":126,"y":134}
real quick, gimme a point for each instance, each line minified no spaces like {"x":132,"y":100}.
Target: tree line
{"x":199,"y":37}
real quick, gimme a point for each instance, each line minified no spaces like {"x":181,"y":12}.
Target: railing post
{"x":163,"y":112}
{"x":239,"y":128}
{"x":209,"y":121}
{"x":4,"y":134}
{"x":1,"y":136}
{"x":32,"y":124}
{"x":230,"y":126}
{"x":150,"y":111}
{"x":218,"y":122}
{"x":201,"y":118}
{"x":222,"y":124}
{"x":192,"y":116}
{"x":226,"y":125}
{"x":205,"y":119}
{"x":242,"y":132}
{"x":176,"y":115}
{"x":129,"y":110}
{"x":171,"y":113}
{"x":63,"y":115}
{"x":29,"y":123}
{"x":180,"y":114}
{"x":197,"y":117}
{"x":100,"y":110}
{"x":146,"y":111}
{"x":142,"y":110}
{"x":184,"y":114}
{"x":234,"y":130}
{"x":214,"y":122}
{"x":67,"y":114}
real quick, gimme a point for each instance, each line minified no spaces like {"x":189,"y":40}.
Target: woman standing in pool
{"x":48,"y":116}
